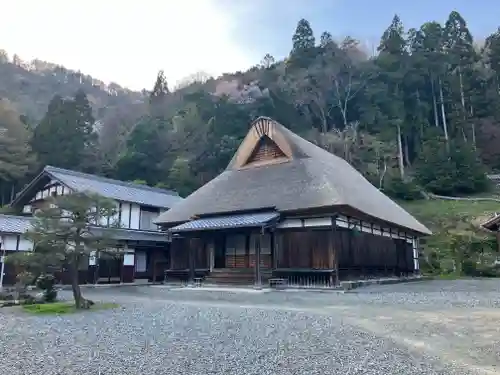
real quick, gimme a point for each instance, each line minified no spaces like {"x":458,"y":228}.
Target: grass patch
{"x":434,"y":212}
{"x":58,"y":308}
{"x":456,"y":229}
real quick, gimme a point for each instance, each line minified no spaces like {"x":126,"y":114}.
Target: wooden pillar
{"x":335,"y":249}
{"x":128,"y":266}
{"x":92,"y":270}
{"x":191,"y":262}
{"x":247,"y":250}
{"x":258,"y":281}
{"x":275,"y":249}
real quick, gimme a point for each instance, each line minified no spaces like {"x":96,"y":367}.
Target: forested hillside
{"x":29,"y":86}
{"x":422,"y":113}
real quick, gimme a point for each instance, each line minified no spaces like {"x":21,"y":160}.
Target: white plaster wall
{"x":10,"y":242}
{"x":25,"y":244}
{"x":125,"y":215}
{"x":57,"y":188}
{"x":114,"y":218}
{"x":136,"y":215}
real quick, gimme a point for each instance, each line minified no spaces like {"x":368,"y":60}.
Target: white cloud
{"x":125,"y":41}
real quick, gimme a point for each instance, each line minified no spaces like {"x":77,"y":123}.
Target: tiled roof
{"x":115,"y":189}
{"x":21,"y":224}
{"x":14,"y":224}
{"x":225,"y":222}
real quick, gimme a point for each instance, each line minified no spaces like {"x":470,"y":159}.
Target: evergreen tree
{"x":303,"y":39}
{"x":325,"y":39}
{"x":158,"y":95}
{"x":303,"y":49}
{"x":66,"y":136}
{"x":393,"y":61}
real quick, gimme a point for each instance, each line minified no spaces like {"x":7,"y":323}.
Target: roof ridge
{"x":50,"y":168}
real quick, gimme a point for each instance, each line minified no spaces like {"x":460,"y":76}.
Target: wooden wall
{"x":318,"y":249}
{"x":179,"y":254}
{"x":365,"y":250}
{"x":305,"y":249}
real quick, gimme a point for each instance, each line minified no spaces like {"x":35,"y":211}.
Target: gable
{"x":264,"y":144}
{"x":57,"y":181}
{"x":265,"y":151}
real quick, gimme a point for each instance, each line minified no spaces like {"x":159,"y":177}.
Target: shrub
{"x":4,"y":296}
{"x":46,"y":283}
{"x":451,"y":168}
{"x":397,"y":188}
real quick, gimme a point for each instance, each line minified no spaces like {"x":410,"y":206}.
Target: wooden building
{"x":493,"y":225}
{"x":145,"y":248}
{"x":289,"y":209}
{"x":12,"y":240}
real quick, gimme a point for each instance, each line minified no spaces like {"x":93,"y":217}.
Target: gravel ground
{"x":397,"y":329}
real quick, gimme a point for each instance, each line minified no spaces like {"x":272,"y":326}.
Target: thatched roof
{"x":302,"y":176}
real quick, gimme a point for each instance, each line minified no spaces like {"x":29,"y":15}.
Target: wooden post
{"x":335,"y":252}
{"x":275,"y":250}
{"x":258,"y":280}
{"x":191,"y":263}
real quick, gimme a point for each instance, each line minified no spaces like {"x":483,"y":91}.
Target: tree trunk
{"x":443,"y":113}
{"x":473,"y":127}
{"x":407,"y":151}
{"x":419,"y":117}
{"x":400,"y":153}
{"x":75,"y":286}
{"x":462,"y":96}
{"x":80,"y":302}
{"x":434,"y":104}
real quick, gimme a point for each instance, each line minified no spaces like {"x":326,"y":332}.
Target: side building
{"x":145,"y":248}
{"x":493,"y":225}
{"x":288,"y":209}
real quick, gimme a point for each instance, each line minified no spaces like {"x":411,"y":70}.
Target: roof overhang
{"x":249,"y":220}
{"x":120,"y":234}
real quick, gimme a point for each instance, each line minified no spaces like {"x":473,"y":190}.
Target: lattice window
{"x":265,"y":150}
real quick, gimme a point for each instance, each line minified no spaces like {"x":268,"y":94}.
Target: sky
{"x":128,"y":41}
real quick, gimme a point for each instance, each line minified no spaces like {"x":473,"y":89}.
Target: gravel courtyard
{"x":432,"y":327}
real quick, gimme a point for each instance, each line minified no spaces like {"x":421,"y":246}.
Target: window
{"x":148,"y":214}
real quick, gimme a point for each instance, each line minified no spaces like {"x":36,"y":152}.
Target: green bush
{"x":450,"y":168}
{"x":47,"y":283}
{"x":397,"y":188}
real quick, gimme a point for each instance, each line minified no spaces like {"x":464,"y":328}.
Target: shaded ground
{"x":433,"y":327}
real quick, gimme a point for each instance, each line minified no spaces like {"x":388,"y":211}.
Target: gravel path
{"x":161,"y":331}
